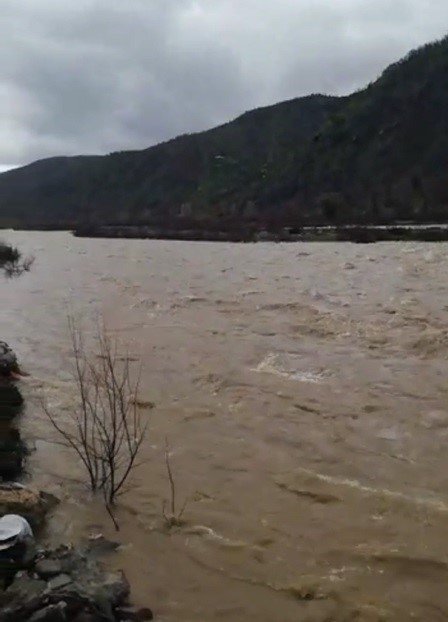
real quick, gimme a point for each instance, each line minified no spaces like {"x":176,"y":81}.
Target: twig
{"x":105,"y":429}
{"x":173,"y":519}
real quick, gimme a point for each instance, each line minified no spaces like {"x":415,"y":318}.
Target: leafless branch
{"x":173,"y":518}
{"x":106,"y":427}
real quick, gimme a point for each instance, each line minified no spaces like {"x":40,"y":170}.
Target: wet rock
{"x":52,"y":613}
{"x":83,"y":593}
{"x":10,"y":394}
{"x":108,"y":592}
{"x":24,"y":586}
{"x":13,"y":452}
{"x":22,"y":598}
{"x":12,"y":448}
{"x":31,"y":504}
{"x":48,"y":568}
{"x":11,"y":400}
{"x":8,"y":412}
{"x":98,"y":545}
{"x":126,"y":614}
{"x":132,"y":614}
{"x":58,"y":582}
{"x":145,"y":614}
{"x":8,"y":360}
{"x":74,"y":603}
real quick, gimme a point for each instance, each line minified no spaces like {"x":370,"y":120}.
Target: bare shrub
{"x":105,"y":428}
{"x":174,"y":517}
{"x":11,"y":262}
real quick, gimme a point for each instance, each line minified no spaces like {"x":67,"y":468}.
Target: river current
{"x":303,"y":389}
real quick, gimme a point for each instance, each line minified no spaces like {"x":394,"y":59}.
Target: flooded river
{"x":303,"y":389}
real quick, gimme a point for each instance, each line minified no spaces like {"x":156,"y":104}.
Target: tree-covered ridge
{"x":380,"y":154}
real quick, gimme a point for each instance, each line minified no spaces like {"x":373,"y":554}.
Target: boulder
{"x":22,"y":598}
{"x":47,"y":568}
{"x":108,"y":591}
{"x":97,"y":545}
{"x":59,"y":581}
{"x":82,"y":592}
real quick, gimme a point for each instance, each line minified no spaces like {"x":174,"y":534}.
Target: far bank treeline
{"x":377,"y":156}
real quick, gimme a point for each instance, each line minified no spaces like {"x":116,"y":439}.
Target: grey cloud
{"x":92,"y":76}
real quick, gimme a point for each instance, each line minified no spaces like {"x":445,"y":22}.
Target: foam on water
{"x":286,"y":366}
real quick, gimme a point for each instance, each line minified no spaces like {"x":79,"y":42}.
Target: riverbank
{"x":349,"y":233}
{"x":38,"y":584}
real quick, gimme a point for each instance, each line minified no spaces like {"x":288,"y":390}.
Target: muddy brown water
{"x":303,"y":388}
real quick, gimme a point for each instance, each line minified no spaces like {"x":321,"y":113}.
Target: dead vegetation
{"x":172,"y":517}
{"x":11,"y":262}
{"x":106,"y":427}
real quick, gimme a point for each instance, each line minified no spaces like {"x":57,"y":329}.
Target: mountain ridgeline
{"x":377,"y":156}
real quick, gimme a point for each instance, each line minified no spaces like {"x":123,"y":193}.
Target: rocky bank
{"x":67,"y":584}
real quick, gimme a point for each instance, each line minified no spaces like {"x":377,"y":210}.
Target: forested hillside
{"x":378,"y":155}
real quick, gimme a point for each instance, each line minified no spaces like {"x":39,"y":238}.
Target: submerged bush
{"x":11,"y":262}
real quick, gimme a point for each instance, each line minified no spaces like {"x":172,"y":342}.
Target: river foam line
{"x":433,"y":503}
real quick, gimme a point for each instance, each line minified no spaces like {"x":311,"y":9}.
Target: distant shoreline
{"x":346,"y":233}
{"x":362,"y":234}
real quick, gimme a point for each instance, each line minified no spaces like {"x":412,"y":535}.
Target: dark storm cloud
{"x":91,"y":76}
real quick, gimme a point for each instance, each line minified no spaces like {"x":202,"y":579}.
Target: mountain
{"x":378,"y":155}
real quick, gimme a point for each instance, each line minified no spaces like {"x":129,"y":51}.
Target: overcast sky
{"x":94,"y":76}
